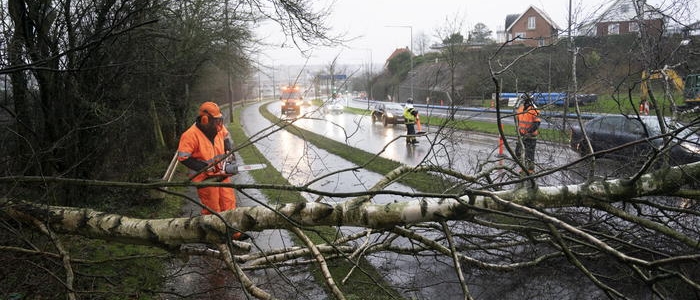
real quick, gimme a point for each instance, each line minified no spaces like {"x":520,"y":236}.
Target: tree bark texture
{"x":167,"y":233}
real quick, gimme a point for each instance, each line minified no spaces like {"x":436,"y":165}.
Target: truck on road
{"x":292,"y":99}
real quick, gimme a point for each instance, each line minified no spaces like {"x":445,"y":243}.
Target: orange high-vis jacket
{"x":193,"y":143}
{"x":644,"y":108}
{"x":527,"y":120}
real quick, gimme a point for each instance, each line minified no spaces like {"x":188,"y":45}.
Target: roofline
{"x":606,"y":12}
{"x":539,"y":11}
{"x":547,"y":17}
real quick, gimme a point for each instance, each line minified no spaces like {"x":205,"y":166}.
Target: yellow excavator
{"x":690,"y":87}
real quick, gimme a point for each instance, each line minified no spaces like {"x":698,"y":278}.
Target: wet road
{"x":300,"y":162}
{"x":415,"y":277}
{"x":463,"y":151}
{"x":464,"y":113}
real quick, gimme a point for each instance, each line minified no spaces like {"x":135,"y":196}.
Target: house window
{"x":531,"y":22}
{"x":540,"y":42}
{"x":634,"y":27}
{"x":624,"y":8}
{"x":520,"y":35}
{"x":614,"y":28}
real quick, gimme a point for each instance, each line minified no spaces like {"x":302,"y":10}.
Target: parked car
{"x":334,"y":106}
{"x":612,"y":131}
{"x":388,"y":113}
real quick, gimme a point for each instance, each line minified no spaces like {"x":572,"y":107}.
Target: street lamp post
{"x":370,"y":75}
{"x":259,"y":81}
{"x":410,"y":71}
{"x":371,"y":97}
{"x":274,"y":85}
{"x":369,"y":81}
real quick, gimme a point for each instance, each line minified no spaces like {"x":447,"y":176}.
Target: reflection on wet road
{"x":300,"y":162}
{"x":465,"y":152}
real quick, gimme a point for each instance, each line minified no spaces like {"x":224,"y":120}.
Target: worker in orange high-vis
{"x":528,"y":120}
{"x":202,"y":149}
{"x":644,"y":107}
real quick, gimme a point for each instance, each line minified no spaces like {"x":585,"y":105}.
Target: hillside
{"x":605,"y":65}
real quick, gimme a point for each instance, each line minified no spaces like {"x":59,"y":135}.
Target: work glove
{"x":230,"y":168}
{"x":228,"y":145}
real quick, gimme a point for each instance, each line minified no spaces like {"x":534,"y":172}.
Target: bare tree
{"x":452,"y":39}
{"x":422,"y":43}
{"x":485,"y":230}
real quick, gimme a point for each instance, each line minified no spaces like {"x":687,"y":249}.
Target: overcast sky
{"x":370,"y":21}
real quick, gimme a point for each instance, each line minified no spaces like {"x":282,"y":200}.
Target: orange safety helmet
{"x":209,"y":109}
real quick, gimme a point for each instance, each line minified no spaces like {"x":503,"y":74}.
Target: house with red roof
{"x":533,"y":28}
{"x":625,"y":17}
{"x":396,"y":53}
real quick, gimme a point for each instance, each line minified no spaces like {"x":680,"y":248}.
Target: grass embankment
{"x":116,"y":270}
{"x":365,"y":284}
{"x":622,"y":103}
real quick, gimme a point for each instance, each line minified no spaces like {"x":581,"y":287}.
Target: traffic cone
{"x":500,"y":145}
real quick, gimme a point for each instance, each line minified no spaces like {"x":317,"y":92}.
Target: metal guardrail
{"x":549,"y":114}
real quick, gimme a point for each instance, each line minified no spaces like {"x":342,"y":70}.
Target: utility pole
{"x":369,"y":85}
{"x":259,"y":81}
{"x":573,"y":50}
{"x":228,"y":68}
{"x":274,"y":85}
{"x":369,"y":74}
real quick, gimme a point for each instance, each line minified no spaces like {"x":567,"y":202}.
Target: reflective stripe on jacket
{"x":407,"y":114}
{"x":193,"y":143}
{"x":527,"y":120}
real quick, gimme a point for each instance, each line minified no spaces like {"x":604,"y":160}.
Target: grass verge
{"x":114,"y":270}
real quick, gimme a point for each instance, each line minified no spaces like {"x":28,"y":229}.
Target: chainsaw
{"x":245,"y":168}
{"x":231,"y":169}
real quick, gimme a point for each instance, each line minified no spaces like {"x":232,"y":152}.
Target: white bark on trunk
{"x":168,"y":233}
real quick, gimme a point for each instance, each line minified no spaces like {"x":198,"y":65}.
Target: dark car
{"x":613,"y":131}
{"x":388,"y":113}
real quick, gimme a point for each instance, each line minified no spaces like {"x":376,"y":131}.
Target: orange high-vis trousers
{"x":218,"y":199}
